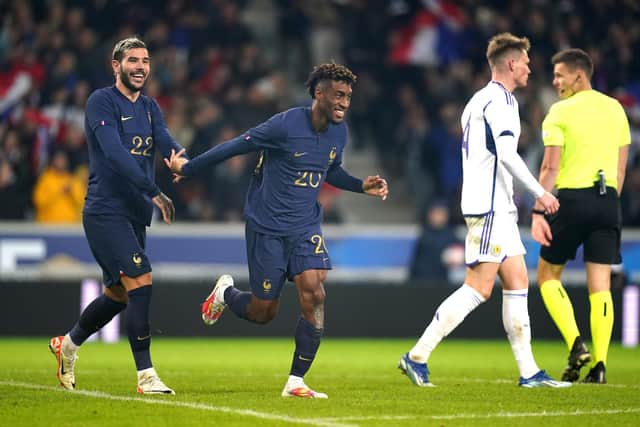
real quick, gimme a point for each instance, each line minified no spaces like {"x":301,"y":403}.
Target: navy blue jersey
{"x":295,"y":161}
{"x":122,"y":137}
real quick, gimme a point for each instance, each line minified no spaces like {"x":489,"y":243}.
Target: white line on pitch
{"x":372,"y":417}
{"x":537,"y":414}
{"x":506,"y":381}
{"x":484,"y":416}
{"x":182,"y":404}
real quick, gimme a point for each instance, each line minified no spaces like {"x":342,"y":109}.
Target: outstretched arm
{"x":182,"y":167}
{"x":175,"y":163}
{"x":373,"y":185}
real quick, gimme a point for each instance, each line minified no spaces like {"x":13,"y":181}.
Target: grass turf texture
{"x":237,"y":382}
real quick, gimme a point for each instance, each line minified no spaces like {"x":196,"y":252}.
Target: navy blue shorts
{"x":274,"y":259}
{"x":118,"y":245}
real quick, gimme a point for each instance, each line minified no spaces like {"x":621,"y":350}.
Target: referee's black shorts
{"x":585,"y":218}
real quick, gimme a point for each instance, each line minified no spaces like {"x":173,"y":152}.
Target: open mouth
{"x":137,"y":77}
{"x":339,"y":113}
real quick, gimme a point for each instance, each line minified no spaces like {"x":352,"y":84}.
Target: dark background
{"x":50,"y":308}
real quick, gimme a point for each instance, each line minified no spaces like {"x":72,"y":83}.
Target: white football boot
{"x":298,"y":388}
{"x":150,"y":383}
{"x":214,"y":305}
{"x":66,"y":363}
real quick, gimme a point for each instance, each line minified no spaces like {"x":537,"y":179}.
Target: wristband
{"x":537,"y":212}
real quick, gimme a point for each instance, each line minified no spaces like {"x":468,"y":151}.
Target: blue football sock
{"x":94,"y":317}
{"x":307,"y":343}
{"x":237,"y":301}
{"x":137,"y":324}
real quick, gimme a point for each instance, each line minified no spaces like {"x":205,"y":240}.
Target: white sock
{"x":220,"y":293}
{"x":295,"y":381}
{"x":68,"y":346}
{"x":147,"y":372}
{"x":515,"y":318}
{"x":449,"y":315}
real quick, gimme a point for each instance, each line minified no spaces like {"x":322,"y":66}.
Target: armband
{"x":537,"y":212}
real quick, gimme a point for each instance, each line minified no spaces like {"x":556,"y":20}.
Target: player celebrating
{"x":300,"y":149}
{"x":123,"y":129}
{"x":491,"y":128}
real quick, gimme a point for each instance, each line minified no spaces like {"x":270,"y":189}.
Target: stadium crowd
{"x":220,"y":66}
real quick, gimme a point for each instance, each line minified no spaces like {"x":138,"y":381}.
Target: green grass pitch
{"x":237,"y":382}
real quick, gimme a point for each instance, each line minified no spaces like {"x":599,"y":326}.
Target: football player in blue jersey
{"x":124,"y":129}
{"x":300,"y":149}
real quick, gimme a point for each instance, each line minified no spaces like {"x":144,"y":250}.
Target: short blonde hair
{"x":502,"y":43}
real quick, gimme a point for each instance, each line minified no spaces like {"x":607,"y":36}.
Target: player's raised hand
{"x":376,"y":186}
{"x":549,"y":202}
{"x":540,"y":230}
{"x":166,"y":207}
{"x":175,"y":162}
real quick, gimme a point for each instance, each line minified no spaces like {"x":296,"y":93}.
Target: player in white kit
{"x":491,"y":128}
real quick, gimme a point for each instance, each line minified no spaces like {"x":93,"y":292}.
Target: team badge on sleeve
{"x":332,"y":155}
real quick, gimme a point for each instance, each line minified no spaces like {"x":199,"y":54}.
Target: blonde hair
{"x":501,"y":44}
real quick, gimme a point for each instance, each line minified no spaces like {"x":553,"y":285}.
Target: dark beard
{"x":124,"y":78}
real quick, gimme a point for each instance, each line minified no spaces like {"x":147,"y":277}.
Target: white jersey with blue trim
{"x":487,"y":186}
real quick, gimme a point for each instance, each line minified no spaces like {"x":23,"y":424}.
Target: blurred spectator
{"x":74,"y":145}
{"x":207,"y":122}
{"x":630,"y":199}
{"x":14,"y":198}
{"x":328,"y":199}
{"x":325,"y":39}
{"x":229,"y":182}
{"x":58,"y":196}
{"x":420,"y":158}
{"x":293,"y":28}
{"x":224,"y":62}
{"x":437,"y":248}
{"x":444,"y":144}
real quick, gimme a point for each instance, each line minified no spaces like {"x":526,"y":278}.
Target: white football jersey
{"x":486,"y":185}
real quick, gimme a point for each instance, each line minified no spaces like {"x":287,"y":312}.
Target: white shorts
{"x":492,"y":238}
